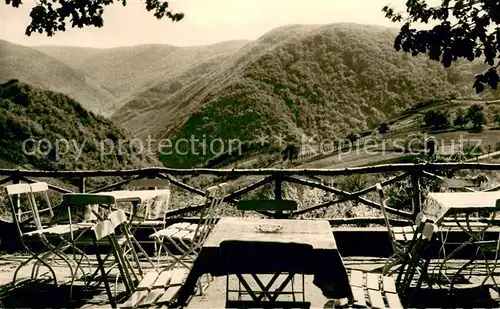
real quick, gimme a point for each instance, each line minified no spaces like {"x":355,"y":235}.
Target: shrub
{"x":475,"y":115}
{"x":383,"y":128}
{"x":436,"y":120}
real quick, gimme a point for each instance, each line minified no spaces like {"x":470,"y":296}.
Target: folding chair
{"x":187,"y":238}
{"x":127,"y":244}
{"x":258,"y":258}
{"x":119,"y":220}
{"x":106,"y":229}
{"x":400,"y":239}
{"x":279,"y":206}
{"x":41,"y":188}
{"x":101,"y":230}
{"x":411,"y":247}
{"x":59,"y":231}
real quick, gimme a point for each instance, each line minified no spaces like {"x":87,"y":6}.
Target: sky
{"x":205,"y":22}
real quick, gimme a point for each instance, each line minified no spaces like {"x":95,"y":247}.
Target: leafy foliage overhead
{"x":466,"y":29}
{"x":50,"y":16}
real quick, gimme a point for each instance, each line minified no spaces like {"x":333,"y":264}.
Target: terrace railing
{"x":312,"y":178}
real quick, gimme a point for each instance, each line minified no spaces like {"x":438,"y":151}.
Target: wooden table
{"x":440,"y":205}
{"x":325,"y":263}
{"x":137,"y":197}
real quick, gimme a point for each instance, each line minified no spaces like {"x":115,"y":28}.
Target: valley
{"x":327,"y":82}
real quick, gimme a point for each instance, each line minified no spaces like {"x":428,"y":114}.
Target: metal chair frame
{"x":41,"y":232}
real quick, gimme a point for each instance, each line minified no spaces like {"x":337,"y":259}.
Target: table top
{"x":441,"y":204}
{"x":317,"y":233}
{"x":135,"y":196}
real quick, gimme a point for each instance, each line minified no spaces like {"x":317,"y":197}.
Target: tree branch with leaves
{"x":51,"y":16}
{"x":467,"y":29}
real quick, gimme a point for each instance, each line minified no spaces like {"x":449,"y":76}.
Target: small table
{"x":325,"y":264}
{"x":122,"y":196}
{"x":137,"y":197}
{"x":440,"y":205}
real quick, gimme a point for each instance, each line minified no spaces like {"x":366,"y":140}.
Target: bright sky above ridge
{"x":205,"y":21}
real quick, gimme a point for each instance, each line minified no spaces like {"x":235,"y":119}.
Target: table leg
{"x":189,"y":285}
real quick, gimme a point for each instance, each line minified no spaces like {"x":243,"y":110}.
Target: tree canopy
{"x":466,"y":29}
{"x":51,"y":16}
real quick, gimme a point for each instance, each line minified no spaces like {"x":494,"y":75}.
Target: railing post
{"x":16,"y":202}
{"x":415,"y":184}
{"x":17,"y":243}
{"x":278,"y":193}
{"x":81,"y":185}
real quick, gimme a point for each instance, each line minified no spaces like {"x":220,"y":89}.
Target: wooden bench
{"x":372,"y":290}
{"x":157,"y":288}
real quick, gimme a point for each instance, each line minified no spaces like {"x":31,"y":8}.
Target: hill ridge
{"x":45,"y":71}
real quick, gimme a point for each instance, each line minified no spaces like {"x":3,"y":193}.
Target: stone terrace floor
{"x":43,"y":294}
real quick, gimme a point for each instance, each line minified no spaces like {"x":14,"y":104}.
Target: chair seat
{"x":58,"y":229}
{"x":174,"y":233}
{"x":185,"y":226}
{"x":404,"y":233}
{"x":147,"y":223}
{"x":157,"y":288}
{"x":372,"y":290}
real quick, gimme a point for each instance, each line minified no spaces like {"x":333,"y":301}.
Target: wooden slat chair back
{"x":103,"y":229}
{"x":82,"y":199}
{"x":117,"y":218}
{"x":214,"y":199}
{"x":266,"y":205}
{"x":41,"y":188}
{"x":19,"y":214}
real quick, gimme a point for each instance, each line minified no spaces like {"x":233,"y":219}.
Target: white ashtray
{"x":269,"y":228}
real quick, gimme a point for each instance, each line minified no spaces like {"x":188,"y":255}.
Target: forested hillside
{"x":318,"y":81}
{"x":323,"y":81}
{"x":46,"y":130}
